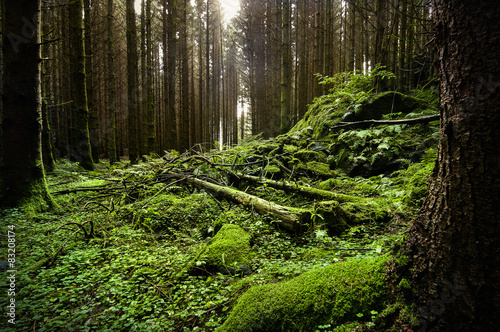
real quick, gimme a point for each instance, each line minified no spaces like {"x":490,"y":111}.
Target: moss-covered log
{"x":302,"y":190}
{"x":291,"y":218}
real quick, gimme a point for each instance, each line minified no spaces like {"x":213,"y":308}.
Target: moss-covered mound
{"x":331,"y":295}
{"x":228,"y":252}
{"x":329,"y":110}
{"x":384,"y":103}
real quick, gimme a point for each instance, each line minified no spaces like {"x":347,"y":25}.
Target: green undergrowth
{"x":139,"y":248}
{"x":132,"y":272}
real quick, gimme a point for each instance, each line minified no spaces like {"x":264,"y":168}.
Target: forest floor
{"x":146,"y":247}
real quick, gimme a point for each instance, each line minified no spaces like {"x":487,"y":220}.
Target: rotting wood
{"x":293,"y":219}
{"x":423,"y":119}
{"x":302,"y":190}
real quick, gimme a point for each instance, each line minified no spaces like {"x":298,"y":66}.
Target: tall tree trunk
{"x":111,"y":114}
{"x":402,"y":48}
{"x":142,"y":118}
{"x":80,"y":114}
{"x":48,"y":158}
{"x":286,"y":68}
{"x":201,"y":72}
{"x":172,"y":74}
{"x":132,"y":81}
{"x":208,"y":107}
{"x":454,"y":247}
{"x":93,"y":112}
{"x":149,"y":82}
{"x":22,"y":173}
{"x":184,"y":97}
{"x":260,"y":68}
{"x":302,"y":93}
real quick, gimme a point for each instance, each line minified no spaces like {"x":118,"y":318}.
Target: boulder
{"x":228,"y":252}
{"x":332,"y":295}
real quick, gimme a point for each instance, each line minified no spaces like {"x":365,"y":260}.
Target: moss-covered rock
{"x":329,"y":184}
{"x":316,"y":167}
{"x":331,"y":295}
{"x":384,"y":103}
{"x":307,"y":155}
{"x":368,"y":210}
{"x":227,"y":252}
{"x":266,"y":147}
{"x":336,"y":219}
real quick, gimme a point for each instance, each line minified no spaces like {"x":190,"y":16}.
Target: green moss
{"x":402,"y":260}
{"x":290,"y":148}
{"x":331,"y":295}
{"x":319,"y":168}
{"x":38,"y":198}
{"x":267,"y":147}
{"x":329,"y":184}
{"x":404,"y":284}
{"x":174,"y":214}
{"x":228,"y":252}
{"x":384,"y":103}
{"x":272,"y":169}
{"x":368,"y":210}
{"x":317,"y":253}
{"x":307,"y":155}
{"x":335,"y":218}
{"x":349,"y":327}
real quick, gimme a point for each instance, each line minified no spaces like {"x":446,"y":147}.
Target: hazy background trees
{"x":172,"y":74}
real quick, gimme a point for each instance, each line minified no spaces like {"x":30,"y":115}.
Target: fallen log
{"x":293,"y":219}
{"x":302,"y":190}
{"x":363,"y":123}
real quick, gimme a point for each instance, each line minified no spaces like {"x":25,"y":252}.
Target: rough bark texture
{"x":21,"y":162}
{"x":80,"y":145}
{"x":286,"y":69}
{"x":112,"y":153}
{"x":149,"y":82}
{"x":454,"y":246}
{"x":132,"y":81}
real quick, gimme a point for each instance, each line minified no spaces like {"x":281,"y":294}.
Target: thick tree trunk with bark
{"x":286,"y":69}
{"x":149,"y":82}
{"x":92,"y":105}
{"x":132,"y":82}
{"x":454,"y":248}
{"x":172,"y":74}
{"x":21,"y":174}
{"x":112,"y":153}
{"x":80,"y":146}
